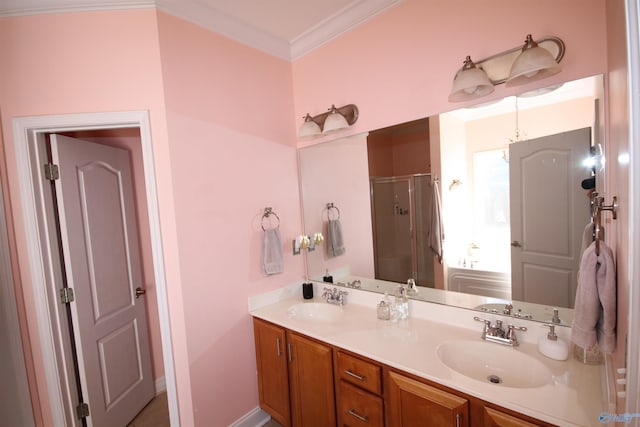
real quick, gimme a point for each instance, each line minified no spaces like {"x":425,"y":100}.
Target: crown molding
{"x":38,"y":7}
{"x":341,"y":22}
{"x":199,"y":13}
{"x":221,"y":23}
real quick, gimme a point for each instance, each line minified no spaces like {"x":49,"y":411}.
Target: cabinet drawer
{"x":357,"y":407}
{"x":356,"y":371}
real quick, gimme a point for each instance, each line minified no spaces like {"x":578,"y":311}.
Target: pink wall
{"x":338,"y":173}
{"x":380,"y":151}
{"x":224,"y":145}
{"x":399,"y":66}
{"x":232,"y":154}
{"x":88,"y":62}
{"x":396,"y":155}
{"x":411,"y":153}
{"x":225,"y":151}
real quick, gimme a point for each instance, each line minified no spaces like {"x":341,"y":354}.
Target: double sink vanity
{"x":321,"y":364}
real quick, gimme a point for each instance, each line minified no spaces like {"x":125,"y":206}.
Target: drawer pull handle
{"x":278,"y":345}
{"x":458,"y":419}
{"x":362,"y":418}
{"x":356,"y":376}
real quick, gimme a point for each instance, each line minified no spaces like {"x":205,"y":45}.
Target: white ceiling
{"x":284,"y":28}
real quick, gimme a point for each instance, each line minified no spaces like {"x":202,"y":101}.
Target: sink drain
{"x":494,"y":379}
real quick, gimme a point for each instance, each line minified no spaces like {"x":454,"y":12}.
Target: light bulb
{"x":471,"y":90}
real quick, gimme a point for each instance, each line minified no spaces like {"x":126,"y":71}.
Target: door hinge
{"x":51,"y":171}
{"x":66,"y":295}
{"x":83,"y":410}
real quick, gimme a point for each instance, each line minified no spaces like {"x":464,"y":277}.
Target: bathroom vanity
{"x":323,"y":365}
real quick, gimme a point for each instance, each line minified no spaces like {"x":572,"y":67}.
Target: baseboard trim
{"x":160,"y":385}
{"x":254,"y":418}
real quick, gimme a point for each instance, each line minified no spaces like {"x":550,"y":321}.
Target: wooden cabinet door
{"x":494,"y":418}
{"x":311,"y":378}
{"x":273,"y":378}
{"x":412,"y":403}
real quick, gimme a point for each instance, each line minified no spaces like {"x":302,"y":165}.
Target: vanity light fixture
{"x":470,"y":82}
{"x":307,"y":242}
{"x":533,"y":61}
{"x":309,"y":128}
{"x":334,"y":119}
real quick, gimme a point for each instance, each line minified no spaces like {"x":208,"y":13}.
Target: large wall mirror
{"x":514,"y":182}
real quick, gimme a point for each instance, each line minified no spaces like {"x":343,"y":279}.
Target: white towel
{"x":435,"y":233}
{"x":335,"y":242}
{"x":272,"y":252}
{"x":595,"y":308}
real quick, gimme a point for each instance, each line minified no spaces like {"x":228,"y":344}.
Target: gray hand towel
{"x":335,"y":243}
{"x":436,"y":229}
{"x":595,"y":308}
{"x":272,"y":252}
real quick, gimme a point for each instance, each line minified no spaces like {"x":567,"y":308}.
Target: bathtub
{"x":477,"y":281}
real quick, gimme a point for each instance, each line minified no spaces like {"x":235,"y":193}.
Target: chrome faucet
{"x":356,"y":284}
{"x":334,"y":296}
{"x":507,"y":309}
{"x":497,"y":334}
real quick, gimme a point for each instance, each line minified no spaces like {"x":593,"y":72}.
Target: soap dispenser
{"x":552,"y":346}
{"x":384,"y":308}
{"x":401,"y":303}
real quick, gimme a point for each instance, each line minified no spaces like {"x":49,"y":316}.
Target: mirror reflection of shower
{"x":400,"y":208}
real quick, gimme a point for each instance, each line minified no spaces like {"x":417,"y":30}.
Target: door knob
{"x":516,"y":244}
{"x":140,"y":291}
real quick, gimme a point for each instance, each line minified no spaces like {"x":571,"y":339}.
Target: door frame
{"x":26,"y":131}
{"x":633,"y":346}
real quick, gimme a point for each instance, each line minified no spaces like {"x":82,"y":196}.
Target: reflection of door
{"x":549,"y":211}
{"x":101,"y":257}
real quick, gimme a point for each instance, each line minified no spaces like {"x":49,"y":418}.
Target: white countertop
{"x":574,"y":398}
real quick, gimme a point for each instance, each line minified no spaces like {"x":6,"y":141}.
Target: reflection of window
{"x":491,"y":202}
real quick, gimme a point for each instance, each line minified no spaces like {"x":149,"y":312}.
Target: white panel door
{"x":549,"y":211}
{"x":102,"y":261}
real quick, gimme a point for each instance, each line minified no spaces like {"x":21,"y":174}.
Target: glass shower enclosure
{"x":400,"y":216}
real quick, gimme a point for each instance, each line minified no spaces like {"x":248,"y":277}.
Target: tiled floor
{"x":155,"y":414}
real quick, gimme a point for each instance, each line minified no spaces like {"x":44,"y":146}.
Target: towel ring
{"x":330,"y":206}
{"x":267,"y":213}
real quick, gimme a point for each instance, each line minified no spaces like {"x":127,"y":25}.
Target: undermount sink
{"x":493,"y":363}
{"x":316,"y":312}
